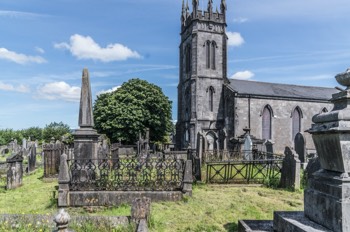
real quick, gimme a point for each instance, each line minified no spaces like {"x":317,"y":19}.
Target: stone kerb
{"x":290,"y":176}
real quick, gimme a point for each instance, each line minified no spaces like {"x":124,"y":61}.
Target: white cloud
{"x":18,"y":14}
{"x":59,"y":91}
{"x":84,"y":47}
{"x":40,"y":50}
{"x":109,"y":90}
{"x":234,"y":39}
{"x":9,"y":87}
{"x":20,"y":58}
{"x":243,"y":75}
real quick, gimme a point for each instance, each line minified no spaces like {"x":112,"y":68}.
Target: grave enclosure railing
{"x":113,"y":181}
{"x":236,"y":169}
{"x":129,"y":173}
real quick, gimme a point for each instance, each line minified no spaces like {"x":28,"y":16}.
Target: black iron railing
{"x":256,"y":171}
{"x":129,"y":173}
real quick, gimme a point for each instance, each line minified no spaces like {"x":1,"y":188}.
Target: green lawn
{"x":212,"y":207}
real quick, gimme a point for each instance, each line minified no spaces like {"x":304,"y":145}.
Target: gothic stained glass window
{"x":266,"y":123}
{"x":296,"y":122}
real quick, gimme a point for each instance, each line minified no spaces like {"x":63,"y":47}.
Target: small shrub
{"x":271,"y":182}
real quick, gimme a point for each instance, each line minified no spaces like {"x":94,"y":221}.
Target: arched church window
{"x":188,"y":58}
{"x":296,"y":121}
{"x":208,"y":47}
{"x":266,"y":123}
{"x":211,"y":98}
{"x":213,"y":55}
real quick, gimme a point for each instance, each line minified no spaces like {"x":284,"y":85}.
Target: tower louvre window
{"x":213,"y":54}
{"x":210,"y":50}
{"x":208,"y":53}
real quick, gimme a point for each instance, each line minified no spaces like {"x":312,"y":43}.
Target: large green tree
{"x":136,"y":105}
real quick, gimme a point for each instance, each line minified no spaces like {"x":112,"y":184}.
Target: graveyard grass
{"x":212,"y":207}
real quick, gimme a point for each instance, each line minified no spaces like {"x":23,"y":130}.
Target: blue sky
{"x":44,"y":45}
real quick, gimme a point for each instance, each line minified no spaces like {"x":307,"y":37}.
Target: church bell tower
{"x":202,"y":74}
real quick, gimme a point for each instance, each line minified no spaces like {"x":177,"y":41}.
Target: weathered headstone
{"x":140,"y":209}
{"x":290,"y":176}
{"x":85,"y":138}
{"x":313,"y":166}
{"x":15,"y":170}
{"x":299,"y":147}
{"x":24,"y":143}
{"x":269,"y":146}
{"x":31,"y":158}
{"x":52,"y":153}
{"x":248,"y":148}
{"x":143,"y":143}
{"x":103,"y":147}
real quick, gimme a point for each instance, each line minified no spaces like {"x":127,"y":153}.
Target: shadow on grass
{"x":231,"y":227}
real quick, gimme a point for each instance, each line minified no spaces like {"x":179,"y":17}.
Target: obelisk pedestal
{"x":85,"y":138}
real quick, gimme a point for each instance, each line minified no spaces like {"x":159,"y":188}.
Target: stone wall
{"x":281,"y":120}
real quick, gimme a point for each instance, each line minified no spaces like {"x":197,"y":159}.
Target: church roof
{"x":281,"y":90}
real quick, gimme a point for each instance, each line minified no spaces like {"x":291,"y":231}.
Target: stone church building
{"x":213,"y":110}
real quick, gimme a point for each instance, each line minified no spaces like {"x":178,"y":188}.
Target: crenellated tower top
{"x":197,"y":14}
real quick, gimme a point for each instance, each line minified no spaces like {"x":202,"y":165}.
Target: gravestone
{"x":268,"y":148}
{"x":143,"y":143}
{"x":24,"y":143}
{"x":248,"y":148}
{"x":15,"y":170}
{"x":299,"y":147}
{"x":103,"y":148}
{"x":31,"y":158}
{"x":313,"y":166}
{"x":85,"y":138}
{"x":52,"y":153}
{"x":290,"y":176}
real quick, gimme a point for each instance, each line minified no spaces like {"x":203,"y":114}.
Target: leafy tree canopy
{"x":55,"y":130}
{"x":7,"y":135}
{"x":35,"y":133}
{"x":136,"y":105}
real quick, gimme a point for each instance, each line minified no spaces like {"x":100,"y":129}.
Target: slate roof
{"x":281,"y":90}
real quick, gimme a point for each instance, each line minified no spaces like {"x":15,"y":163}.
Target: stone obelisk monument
{"x":85,"y":138}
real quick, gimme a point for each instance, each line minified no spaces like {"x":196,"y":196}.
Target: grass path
{"x":212,"y":208}
{"x":218,"y":208}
